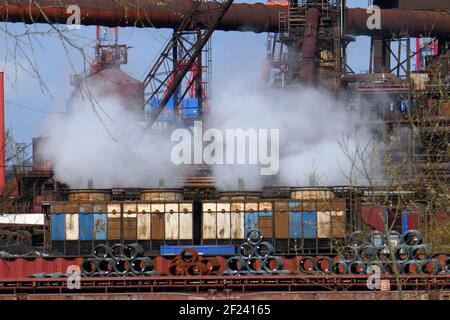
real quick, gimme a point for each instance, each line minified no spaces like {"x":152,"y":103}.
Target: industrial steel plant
{"x":322,"y":182}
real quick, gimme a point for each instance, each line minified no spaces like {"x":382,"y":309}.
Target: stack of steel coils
{"x":391,"y":253}
{"x":118,"y":261}
{"x":255,"y":257}
{"x":189,"y":262}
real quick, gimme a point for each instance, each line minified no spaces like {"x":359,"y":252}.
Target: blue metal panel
{"x":404,"y":222}
{"x":405,"y":214}
{"x":250,"y":221}
{"x":58,"y":226}
{"x":310,"y":224}
{"x":293,"y":204}
{"x":86,"y":225}
{"x":215,"y":250}
{"x":295,"y":225}
{"x":100,"y":224}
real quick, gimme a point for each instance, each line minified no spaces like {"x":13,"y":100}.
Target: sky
{"x":236,"y":56}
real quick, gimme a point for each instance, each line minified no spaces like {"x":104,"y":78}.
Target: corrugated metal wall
{"x":155,"y":224}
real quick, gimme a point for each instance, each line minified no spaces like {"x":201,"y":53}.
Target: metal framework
{"x":179,"y":56}
{"x":309,"y":54}
{"x":288,"y":283}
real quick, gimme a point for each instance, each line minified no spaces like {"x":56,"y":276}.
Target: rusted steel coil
{"x":323,"y":264}
{"x":255,"y":264}
{"x":189,"y":255}
{"x":196,"y":269}
{"x":177,"y":269}
{"x":211,"y":263}
{"x":306,"y":264}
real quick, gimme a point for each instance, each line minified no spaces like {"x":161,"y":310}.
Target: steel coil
{"x":306,"y":264}
{"x":88,"y":266}
{"x":254,"y":264}
{"x":367,"y":253}
{"x":356,"y":239}
{"x":357,"y":267}
{"x":384,"y":253}
{"x":264,"y":249}
{"x":196,"y":269}
{"x":117,"y":251}
{"x":403,"y":253}
{"x":246,"y":250}
{"x":339,"y":267}
{"x":189,"y":255}
{"x":411,"y":267}
{"x":254,"y":237}
{"x":348,"y":253}
{"x":236,"y":264}
{"x":105,"y":266}
{"x":323,"y":264}
{"x":272,"y":264}
{"x":376,"y":239}
{"x":212,"y":264}
{"x":141,"y":264}
{"x":394,"y":238}
{"x":177,"y":269}
{"x":122,"y":266}
{"x":431,"y":266}
{"x":102,"y":251}
{"x":132,"y":251}
{"x":420,"y":252}
{"x":412,"y":238}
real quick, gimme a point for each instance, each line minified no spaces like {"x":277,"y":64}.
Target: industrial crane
{"x":182,"y":55}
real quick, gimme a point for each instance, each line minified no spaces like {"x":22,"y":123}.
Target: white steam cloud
{"x":319,"y":136}
{"x":102,"y":141}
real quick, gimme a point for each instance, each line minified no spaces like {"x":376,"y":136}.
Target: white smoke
{"x":318,"y":136}
{"x":101,"y":139}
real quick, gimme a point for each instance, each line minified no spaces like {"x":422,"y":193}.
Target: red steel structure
{"x":256,"y":17}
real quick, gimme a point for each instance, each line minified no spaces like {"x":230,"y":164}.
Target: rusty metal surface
{"x":288,"y":283}
{"x":21,"y":267}
{"x":234,"y":295}
{"x":240,"y":17}
{"x":308,"y":65}
{"x":421,"y":4}
{"x":400,"y":22}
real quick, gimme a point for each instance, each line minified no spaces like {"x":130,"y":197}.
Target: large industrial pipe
{"x":310,"y":46}
{"x":256,"y":17}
